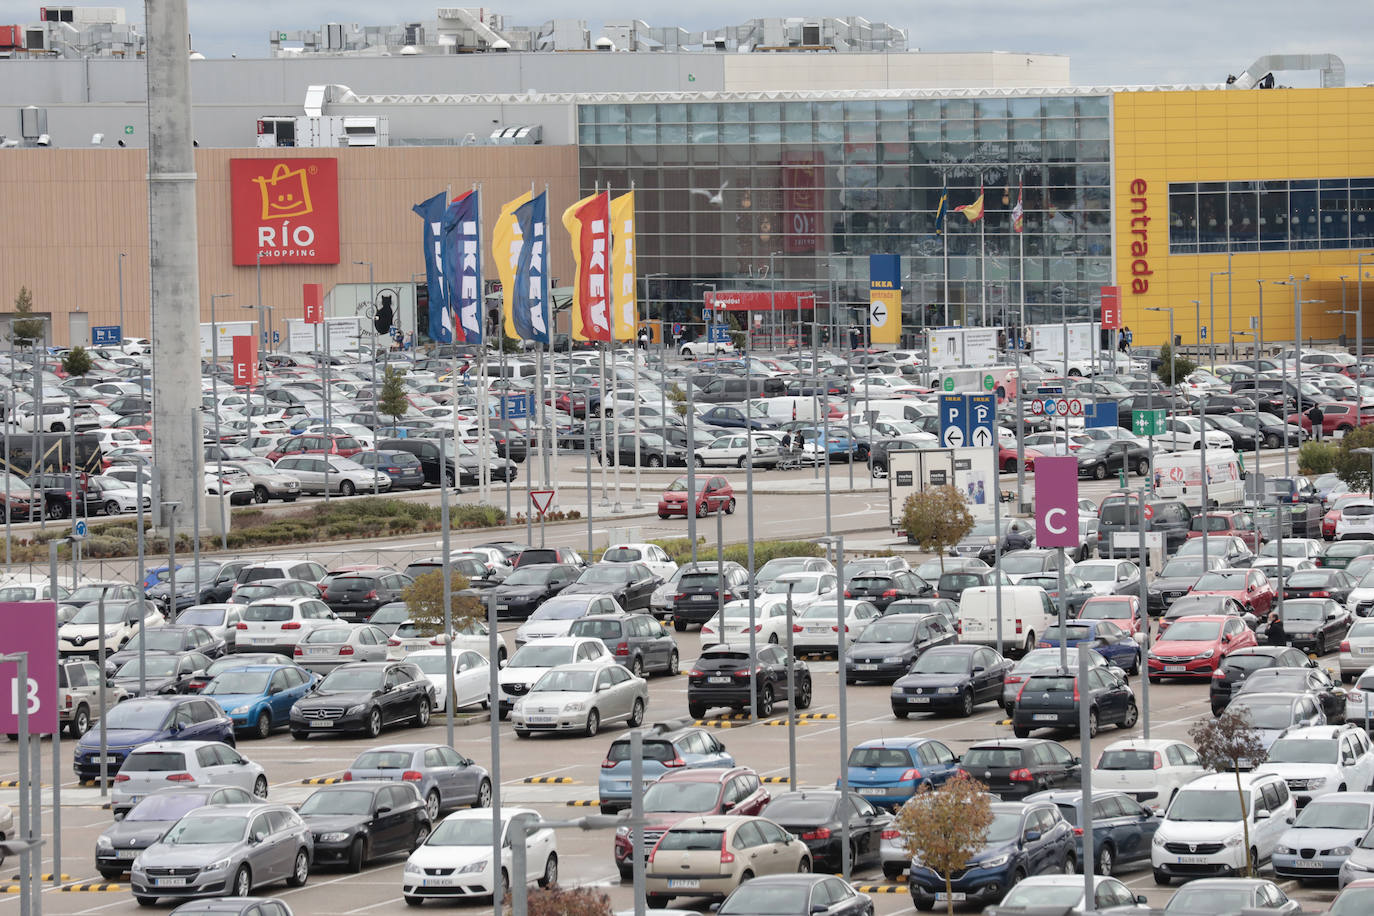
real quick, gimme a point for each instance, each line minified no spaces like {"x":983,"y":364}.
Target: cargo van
{"x":1178,"y":475}
{"x":788,"y":408}
{"x":1026,"y":613}
{"x":890,"y":409}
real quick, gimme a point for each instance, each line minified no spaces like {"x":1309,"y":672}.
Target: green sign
{"x":281,"y":36}
{"x":988,"y":383}
{"x":949,"y":384}
{"x":1148,"y":422}
{"x":128,"y":128}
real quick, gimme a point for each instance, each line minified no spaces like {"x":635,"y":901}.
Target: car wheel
{"x":264,"y":724}
{"x":1271,"y":441}
{"x":145,"y":901}
{"x":765,"y":701}
{"x":804,"y":694}
{"x":550,"y":876}
{"x":1070,"y":866}
{"x":1321,"y":646}
{"x":593,"y":723}
{"x":966,"y":708}
{"x":502,"y":888}
{"x":260,"y":787}
{"x":637,"y":714}
{"x":357,"y":854}
{"x":57,"y":510}
{"x":432,"y":805}
{"x":374,"y":723}
{"x":679,"y":624}
{"x":1104,"y":861}
{"x":1142,"y":467}
{"x":1100,"y":472}
{"x":1021,"y":732}
{"x":111,"y":507}
{"x":522,"y":733}
{"x":701,"y":462}
{"x":483,"y":795}
{"x":422,"y":709}
{"x":243,"y":882}
{"x":80,"y":723}
{"x":300,"y":736}
{"x":346,"y":488}
{"x":421,"y":834}
{"x":674,"y":665}
{"x":412,"y":900}
{"x":900,"y":713}
{"x":772,"y":639}
{"x":260,"y":494}
{"x":653,"y":461}
{"x":656,"y":901}
{"x":701,"y":509}
{"x":637,"y":666}
{"x":111,"y":874}
{"x":730,"y":507}
{"x":923,"y":903}
{"x":804,"y":866}
{"x":695,"y":710}
{"x":1092,"y":723}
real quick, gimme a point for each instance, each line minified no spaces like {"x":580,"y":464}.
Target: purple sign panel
{"x":1056,"y":501}
{"x":29,"y":626}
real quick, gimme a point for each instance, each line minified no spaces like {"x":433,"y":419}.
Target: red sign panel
{"x":285,"y":210}
{"x":1111,"y":308}
{"x":314,"y":302}
{"x":801,"y":202}
{"x":29,"y":626}
{"x":246,"y":360}
{"x":760,"y":301}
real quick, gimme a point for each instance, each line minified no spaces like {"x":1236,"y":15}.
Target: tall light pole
{"x":262,"y":314}
{"x":1173,"y":389}
{"x":1212,"y":306}
{"x":214,"y":393}
{"x":1342,"y":312}
{"x":121,"y":303}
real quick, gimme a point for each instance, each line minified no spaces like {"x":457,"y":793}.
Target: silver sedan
{"x":581,"y":697}
{"x":328,"y":647}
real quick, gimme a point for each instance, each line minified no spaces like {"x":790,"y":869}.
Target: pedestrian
{"x":644,"y":339}
{"x":1124,"y":340}
{"x":1274,"y":634}
{"x":1316,"y":416}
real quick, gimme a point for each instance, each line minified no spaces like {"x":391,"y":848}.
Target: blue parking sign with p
{"x":954,"y":420}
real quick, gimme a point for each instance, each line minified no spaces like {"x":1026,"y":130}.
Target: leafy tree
{"x":943,"y":828}
{"x":77,"y":362}
{"x":1352,"y":468}
{"x":391,"y":401}
{"x":425,"y":599}
{"x":679,"y":399}
{"x":1173,"y":369}
{"x":1225,"y":744}
{"x":571,"y":901}
{"x":936,"y":519}
{"x":25,"y":332}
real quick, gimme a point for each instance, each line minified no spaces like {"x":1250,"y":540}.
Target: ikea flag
{"x":885,"y":298}
{"x":462,"y":254}
{"x":506,"y":244}
{"x":440,"y":318}
{"x":530,"y":309}
{"x":623,"y":266}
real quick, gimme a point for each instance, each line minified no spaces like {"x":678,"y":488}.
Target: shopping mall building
{"x":767,"y":172}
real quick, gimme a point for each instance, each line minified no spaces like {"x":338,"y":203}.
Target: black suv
{"x":699,"y":592}
{"x":883,"y":588}
{"x":1013,"y":768}
{"x":1240,"y":664}
{"x":722,"y":674}
{"x":1119,"y":512}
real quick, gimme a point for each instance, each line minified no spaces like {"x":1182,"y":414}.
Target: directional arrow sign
{"x":982,"y":437}
{"x":982,"y":415}
{"x":954,"y":420}
{"x":953,"y":437}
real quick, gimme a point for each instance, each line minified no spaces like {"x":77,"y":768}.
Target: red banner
{"x":314,"y":302}
{"x":245,"y":360}
{"x":286,"y":210}
{"x":1111,"y":308}
{"x":801,"y":202}
{"x":759,"y":301}
{"x":588,"y":222}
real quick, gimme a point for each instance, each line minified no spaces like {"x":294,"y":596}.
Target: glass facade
{"x":1225,"y":216}
{"x":798,"y":189}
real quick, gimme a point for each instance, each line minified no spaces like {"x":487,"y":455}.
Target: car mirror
{"x":1262,"y":815}
{"x":383,"y":809}
{"x":1142,"y":899}
{"x":979,"y":669}
{"x":1030,"y":836}
{"x":109,"y":683}
{"x":257,"y":838}
{"x":1333,"y":615}
{"x":819,"y":908}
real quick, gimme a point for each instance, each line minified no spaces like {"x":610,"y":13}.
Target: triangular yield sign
{"x":542,"y":499}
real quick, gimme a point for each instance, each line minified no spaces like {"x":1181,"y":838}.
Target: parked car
{"x":325,"y":648}
{"x":817,"y":817}
{"x":362,"y":821}
{"x":444,"y":778}
{"x":950,"y":678}
{"x":160,"y":673}
{"x":694,"y":846}
{"x":888,"y":646}
{"x":356,"y":596}
{"x":455,"y":861}
{"x":529,"y":586}
{"x":668,"y":752}
{"x":1306,"y":678}
{"x":699,"y":592}
{"x":638,"y":641}
{"x":81,"y":634}
{"x":712,"y":494}
{"x":581,"y":697}
{"x":1194,"y":839}
{"x":364,"y":697}
{"x":151,"y":817}
{"x":1016,"y":767}
{"x":1123,"y":829}
{"x":279,"y":624}
{"x":1238,"y":665}
{"x":821,"y":895}
{"x":723,"y":675}
{"x":1065,"y":893}
{"x":889,"y":771}
{"x":259,"y":697}
{"x":1231,"y":895}
{"x":137,"y":721}
{"x":1054,"y":700}
{"x":1272,"y":714}
{"x":1112,"y":642}
{"x":1196,"y":646}
{"x":530,"y":661}
{"x":205,"y":763}
{"x":1322,"y":762}
{"x":1151,"y":771}
{"x":1034,"y":662}
{"x":176,"y":638}
{"x":78,"y":695}
{"x":630,"y":584}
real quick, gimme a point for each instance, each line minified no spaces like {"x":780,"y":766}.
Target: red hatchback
{"x":312,"y":444}
{"x":1195,"y":646}
{"x":1122,"y":610}
{"x":1218,"y":525}
{"x":1250,"y":587}
{"x":1342,"y":417}
{"x":713,"y":494}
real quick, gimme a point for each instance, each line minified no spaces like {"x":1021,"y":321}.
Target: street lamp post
{"x":372,"y":302}
{"x":1173,"y":388}
{"x":837,"y":541}
{"x":121,"y":298}
{"x":214,"y":393}
{"x":262,"y":313}
{"x":1212,"y":306}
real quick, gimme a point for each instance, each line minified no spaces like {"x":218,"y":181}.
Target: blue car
{"x":1123,"y":829}
{"x":888,"y":771}
{"x":725,"y":417}
{"x":1024,"y":839}
{"x":259,"y":697}
{"x":136,"y":722}
{"x":1114,"y":644}
{"x":664,"y":750}
{"x":841,"y":446}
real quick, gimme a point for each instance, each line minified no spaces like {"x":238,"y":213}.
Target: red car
{"x":1195,"y":646}
{"x":1250,"y":587}
{"x":1333,"y":515}
{"x":1006,"y":458}
{"x":1342,"y":417}
{"x":1122,"y":610}
{"x":713,"y":494}
{"x":1227,"y":524}
{"x":316,"y":444}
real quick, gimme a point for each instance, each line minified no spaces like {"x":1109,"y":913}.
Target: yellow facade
{"x":1234,"y":135}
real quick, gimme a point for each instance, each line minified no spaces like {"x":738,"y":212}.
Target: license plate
{"x":126,"y":853}
{"x":717,"y":680}
{"x":98,"y":760}
{"x":918,"y":699}
{"x":1046,"y":717}
{"x":439,"y":882}
{"x":171,"y":882}
{"x":684,"y":882}
{"x":503,"y":607}
{"x":1192,"y":860}
{"x":702,"y":598}
{"x":874,"y":791}
{"x":314,"y":650}
{"x":1174,"y":669}
{"x":865,"y":667}
{"x":543,"y":720}
{"x":816,"y":629}
{"x":1309,"y":863}
{"x":1367,"y":650}
{"x":957,"y":896}
{"x":322,"y":723}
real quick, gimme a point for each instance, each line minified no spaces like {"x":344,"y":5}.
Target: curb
{"x":549,"y":780}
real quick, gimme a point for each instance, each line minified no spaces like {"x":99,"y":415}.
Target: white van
{"x":1026,"y":613}
{"x":1201,"y":833}
{"x":889,"y":409}
{"x":787,"y":409}
{"x":1178,"y":475}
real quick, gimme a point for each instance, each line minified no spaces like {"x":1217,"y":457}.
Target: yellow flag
{"x":505,"y":248}
{"x":624,"y":283}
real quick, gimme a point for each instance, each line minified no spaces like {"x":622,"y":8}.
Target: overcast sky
{"x":1109,"y":43}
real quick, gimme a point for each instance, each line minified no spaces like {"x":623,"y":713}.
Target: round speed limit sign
{"x":1149,"y":512}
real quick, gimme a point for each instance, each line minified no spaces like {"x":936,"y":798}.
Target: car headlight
{"x":622,"y":831}
{"x":1234,"y":841}
{"x":355,"y":710}
{"x":893,"y":660}
{"x":1158,"y":840}
{"x":218,"y":865}
{"x":104,"y":842}
{"x":574,"y":707}
{"x":1341,"y":851}
{"x":1357,"y":866}
{"x":337,"y":837}
{"x":1284,"y":850}
{"x":947,"y":690}
{"x":996,"y":861}
{"x":1208,"y":654}
{"x":412,"y":869}
{"x":240,"y":711}
{"x":480,"y":865}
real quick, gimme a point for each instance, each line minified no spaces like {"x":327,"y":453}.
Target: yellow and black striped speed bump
{"x":91,"y":888}
{"x":1002,"y":722}
{"x":550,"y":780}
{"x":584,"y":803}
{"x":880,"y":888}
{"x":803,"y":716}
{"x":784,"y":722}
{"x":47,"y":877}
{"x":775,"y":779}
{"x":9,"y":783}
{"x":322,"y":780}
{"x":716,"y":723}
{"x":9,"y":888}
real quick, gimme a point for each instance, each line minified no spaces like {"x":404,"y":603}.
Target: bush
{"x":1318,"y":457}
{"x":679,"y":550}
{"x":1353,"y":469}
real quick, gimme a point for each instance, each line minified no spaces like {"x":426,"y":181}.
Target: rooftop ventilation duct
{"x":1261,"y":73}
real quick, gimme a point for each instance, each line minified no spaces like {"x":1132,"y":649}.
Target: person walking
{"x":1274,"y":634}
{"x":1316,"y":416}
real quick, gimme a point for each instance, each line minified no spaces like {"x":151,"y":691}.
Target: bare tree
{"x":945,"y":827}
{"x":1226,"y":744}
{"x":425,"y":599}
{"x":936,"y":519}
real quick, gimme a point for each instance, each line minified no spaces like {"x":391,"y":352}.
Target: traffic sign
{"x":1149,"y":422}
{"x":1203,"y":332}
{"x":954,"y":417}
{"x":517,"y":406}
{"x":1149,"y":512}
{"x":989,"y":382}
{"x":79,"y":529}
{"x":1100,"y":414}
{"x":1059,"y":407}
{"x":677,"y":329}
{"x":29,"y":626}
{"x":105,"y":335}
{"x":982,"y":415}
{"x":542,"y":499}
{"x":949,"y":384}
{"x":718,"y":333}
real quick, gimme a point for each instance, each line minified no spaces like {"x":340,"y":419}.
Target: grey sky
{"x":1109,"y":43}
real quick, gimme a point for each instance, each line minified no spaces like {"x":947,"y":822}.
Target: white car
{"x":81,"y":634}
{"x":220,"y":619}
{"x":806,"y":587}
{"x":1189,"y":432}
{"x":473,"y":636}
{"x":1357,"y":652}
{"x":1065,"y":893}
{"x":117,"y":495}
{"x":1109,"y":577}
{"x":158,"y":764}
{"x":1151,"y":771}
{"x":555,"y":616}
{"x":455,"y":860}
{"x":529,"y":663}
{"x":1322,"y":759}
{"x":1356,"y":520}
{"x":471,"y":676}
{"x":580,"y":698}
{"x":651,"y":555}
{"x":769,"y":624}
{"x":1204,"y":829}
{"x":820,"y":628}
{"x":693,"y":349}
{"x":231,"y":482}
{"x":731,"y":450}
{"x":278,"y":624}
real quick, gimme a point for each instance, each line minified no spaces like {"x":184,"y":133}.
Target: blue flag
{"x":440,"y":318}
{"x":531,"y":309}
{"x":462,"y":257}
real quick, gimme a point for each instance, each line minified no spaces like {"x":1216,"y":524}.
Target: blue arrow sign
{"x":79,"y":529}
{"x":982,"y":414}
{"x":954,"y":420}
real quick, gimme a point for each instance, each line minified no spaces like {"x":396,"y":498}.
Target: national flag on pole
{"x":1017,"y":213}
{"x":440,"y":318}
{"x":588,"y":223}
{"x":942,"y":210}
{"x":462,"y":254}
{"x":973,"y":211}
{"x":623,"y":261}
{"x":531,"y":274}
{"x":506,"y":243}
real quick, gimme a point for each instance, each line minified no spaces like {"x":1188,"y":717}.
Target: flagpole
{"x":943,"y":221}
{"x":983,"y":255}
{"x":551,"y":456}
{"x":484,"y":415}
{"x":639,"y":424}
{"x":945,"y":235}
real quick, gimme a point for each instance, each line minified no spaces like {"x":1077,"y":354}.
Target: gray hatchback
{"x":638,"y":641}
{"x":224,"y":851}
{"x":444,"y":778}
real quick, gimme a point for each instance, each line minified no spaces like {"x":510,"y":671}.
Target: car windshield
{"x":383,"y":760}
{"x":680,"y":485}
{"x":1106,"y":610}
{"x":464,"y":831}
{"x":621,"y":555}
{"x":267,"y":613}
{"x":803,"y":808}
{"x":679,"y":797}
{"x":334,"y":801}
{"x":1055,"y":895}
{"x":1265,"y":713}
{"x":1334,"y":815}
{"x":951,"y":581}
{"x":560,"y":609}
{"x":942,"y":663}
{"x":534,"y":655}
{"x":329,"y":634}
{"x":429,"y":664}
{"x":692,"y":839}
{"x":1303,"y":610}
{"x":1125,"y":759}
{"x":247,"y":593}
{"x":170,"y":807}
{"x":1353,"y":901}
{"x":986,"y":530}
{"x":90,"y":592}
{"x":1191,"y":605}
{"x":1095,"y":572}
{"x":157,"y":640}
{"x":1222,"y":580}
{"x":609,"y":575}
{"x":147,"y":715}
{"x":889,"y":631}
{"x":1005,"y":827}
{"x":1017,"y":564}
{"x":391,"y":613}
{"x":798,"y":584}
{"x":202,"y":617}
{"x":1200,"y":630}
{"x":353,"y":679}
{"x":1294,"y":548}
{"x":155,"y":666}
{"x":766,"y":900}
{"x":529,"y":575}
{"x":1294,"y":750}
{"x":879,"y":757}
{"x":1207,"y":805}
{"x":1208,"y":901}
{"x":90,"y":614}
{"x":201,"y":831}
{"x":233,"y":682}
{"x":557,"y":681}
{"x":1182,"y":567}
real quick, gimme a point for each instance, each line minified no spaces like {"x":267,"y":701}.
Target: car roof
{"x":240,"y":810}
{"x":400,"y":747}
{"x":1228,"y":780}
{"x":163,"y":746}
{"x":1142,"y":744}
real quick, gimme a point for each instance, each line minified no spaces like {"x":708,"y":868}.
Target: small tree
{"x":1354,"y":469}
{"x":945,"y":827}
{"x":424,"y":598}
{"x":679,"y":399}
{"x":25,"y":331}
{"x":391,"y":401}
{"x":936,"y":519}
{"x":1173,"y":369}
{"x":1224,"y":744}
{"x":77,"y":362}
{"x":572,"y":901}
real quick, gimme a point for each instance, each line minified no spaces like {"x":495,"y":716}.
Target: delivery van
{"x":1178,"y":475}
{"x":786,"y":408}
{"x":1026,"y":613}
